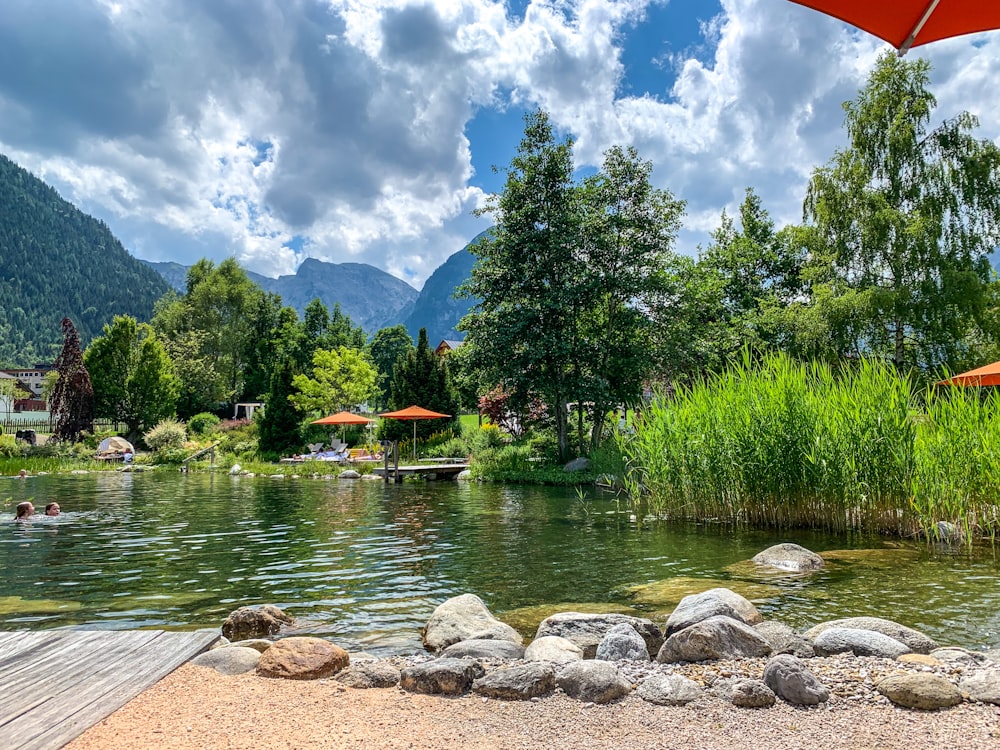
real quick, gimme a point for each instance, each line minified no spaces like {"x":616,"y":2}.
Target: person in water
{"x":52,"y":509}
{"x":24,"y":511}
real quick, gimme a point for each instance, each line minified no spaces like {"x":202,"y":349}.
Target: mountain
{"x":436,"y":308}
{"x":57,"y":262}
{"x":173,"y":273}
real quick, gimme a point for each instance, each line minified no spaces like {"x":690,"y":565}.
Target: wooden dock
{"x":56,"y":684}
{"x":438,"y":471}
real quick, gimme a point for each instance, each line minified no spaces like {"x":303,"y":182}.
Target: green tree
{"x":341,"y":378}
{"x":385,"y":350}
{"x":527,"y":279}
{"x":421,"y":378}
{"x":273,"y":336}
{"x":280,"y":426}
{"x":73,"y":396}
{"x":132,"y":375}
{"x":908,"y":215}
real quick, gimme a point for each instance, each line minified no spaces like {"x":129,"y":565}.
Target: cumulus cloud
{"x":273,"y":130}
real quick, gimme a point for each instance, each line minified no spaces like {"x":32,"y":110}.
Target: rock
{"x":715,"y":638}
{"x":259,"y":644}
{"x":518,"y":683}
{"x":221,"y":642}
{"x":464,"y":475}
{"x":254,"y":622}
{"x":751,"y":694}
{"x":622,"y":643}
{"x":960,"y":655}
{"x":664,"y":595}
{"x":789,"y":679}
{"x":586,"y":630}
{"x":302,"y":658}
{"x":711,"y":603}
{"x":481,"y":648}
{"x":668,"y":690}
{"x":789,"y":557}
{"x":983,"y":687}
{"x":371,"y":478}
{"x":441,"y":676}
{"x":369,"y":674}
{"x":784,"y":640}
{"x":230,"y":660}
{"x":349,"y":474}
{"x":553,"y":648}
{"x":858,"y":642}
{"x":465,"y":618}
{"x":592,"y":681}
{"x":920,"y":690}
{"x":577,"y":464}
{"x":924,"y":660}
{"x":993,"y":654}
{"x":917,"y":641}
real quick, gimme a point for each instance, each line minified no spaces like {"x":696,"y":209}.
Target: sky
{"x":368,"y":130}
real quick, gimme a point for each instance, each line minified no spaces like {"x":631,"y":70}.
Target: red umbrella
{"x":414,"y":413}
{"x":985,"y":375}
{"x":910,"y":23}
{"x":342,"y":417}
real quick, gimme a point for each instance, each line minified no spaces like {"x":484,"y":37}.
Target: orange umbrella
{"x":414,"y":413}
{"x":342,"y":417}
{"x":910,"y":23}
{"x":985,"y":375}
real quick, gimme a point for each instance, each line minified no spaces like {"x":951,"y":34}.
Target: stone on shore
{"x":518,"y":683}
{"x":302,"y":658}
{"x":369,"y":674}
{"x":441,"y":676}
{"x":747,"y":693}
{"x":859,"y":643}
{"x":917,"y":641}
{"x":587,"y":630}
{"x":784,"y":640}
{"x":593,"y":681}
{"x":464,"y":618}
{"x":622,"y":643}
{"x":789,"y":679}
{"x":669,"y":690}
{"x":960,"y":656}
{"x":711,"y":603}
{"x":260,"y":644}
{"x":983,"y":687}
{"x":482,"y":648}
{"x":926,"y":692}
{"x":229,"y":660}
{"x":553,"y":648}
{"x":790,"y":557}
{"x":254,"y":622}
{"x":717,"y":637}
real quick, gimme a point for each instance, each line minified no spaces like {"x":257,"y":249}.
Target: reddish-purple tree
{"x":73,"y":395}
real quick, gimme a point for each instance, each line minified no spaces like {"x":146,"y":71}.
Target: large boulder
{"x":789,"y":557}
{"x":920,"y":690}
{"x":553,"y":648}
{"x":518,"y":683}
{"x":369,"y":674}
{"x":789,"y":679}
{"x":859,"y":643}
{"x":464,"y":618}
{"x":715,"y":638}
{"x":983,"y":686}
{"x":302,"y":658}
{"x":481,"y":648}
{"x":254,"y":622}
{"x":586,"y":630}
{"x":622,"y":643}
{"x":917,"y":641}
{"x":711,"y":603}
{"x":593,"y":681}
{"x":441,"y":676}
{"x":669,"y":690}
{"x":230,"y":660}
{"x":784,"y":640}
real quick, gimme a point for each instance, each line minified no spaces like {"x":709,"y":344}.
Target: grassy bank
{"x":787,"y":444}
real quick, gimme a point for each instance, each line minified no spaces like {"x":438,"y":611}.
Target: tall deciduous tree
{"x":73,"y":395}
{"x":387,"y":346}
{"x":132,"y":375}
{"x":341,"y":378}
{"x":909,"y":215}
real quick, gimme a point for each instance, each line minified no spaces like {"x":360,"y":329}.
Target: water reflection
{"x":366,"y":563}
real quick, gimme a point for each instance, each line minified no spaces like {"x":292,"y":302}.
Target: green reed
{"x":782,"y":443}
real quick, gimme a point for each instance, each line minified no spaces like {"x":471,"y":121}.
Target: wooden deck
{"x":440,"y":471}
{"x":55,"y":684}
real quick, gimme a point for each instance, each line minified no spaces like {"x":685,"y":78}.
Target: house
{"x":446,"y":346}
{"x":12,"y":390}
{"x":32,"y":377}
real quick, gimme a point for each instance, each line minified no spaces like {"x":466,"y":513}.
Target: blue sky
{"x":365,"y":130}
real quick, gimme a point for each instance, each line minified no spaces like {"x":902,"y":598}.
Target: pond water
{"x":365,"y":563}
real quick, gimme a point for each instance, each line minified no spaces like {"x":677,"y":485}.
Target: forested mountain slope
{"x":56,"y":262}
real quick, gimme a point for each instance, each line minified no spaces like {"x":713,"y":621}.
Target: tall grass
{"x":782,"y":443}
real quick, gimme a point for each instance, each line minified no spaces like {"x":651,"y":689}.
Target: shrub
{"x":9,"y":446}
{"x":169,"y":433}
{"x":203,"y":423}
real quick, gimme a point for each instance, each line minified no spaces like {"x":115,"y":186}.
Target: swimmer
{"x":22,"y":473}
{"x":52,"y":509}
{"x":24,"y":511}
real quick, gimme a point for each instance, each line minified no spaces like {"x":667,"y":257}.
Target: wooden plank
{"x":54,"y":695}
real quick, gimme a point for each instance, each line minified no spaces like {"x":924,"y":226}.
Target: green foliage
{"x":279,"y":428}
{"x":202,"y":423}
{"x":341,"y":378}
{"x":9,"y":446}
{"x":421,"y":378}
{"x":387,"y":347}
{"x":167,"y":434}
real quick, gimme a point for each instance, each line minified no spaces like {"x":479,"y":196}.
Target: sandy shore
{"x":195,"y":707}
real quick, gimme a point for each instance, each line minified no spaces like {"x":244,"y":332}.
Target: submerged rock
{"x":254,"y":622}
{"x":790,"y":557}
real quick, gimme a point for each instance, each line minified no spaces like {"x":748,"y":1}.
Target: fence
{"x":13,"y":422}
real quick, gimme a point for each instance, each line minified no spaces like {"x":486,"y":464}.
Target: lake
{"x":365,"y":563}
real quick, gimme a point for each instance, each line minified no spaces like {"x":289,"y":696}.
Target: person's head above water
{"x":24,"y":510}
{"x":52,"y":509}
{"x":23,"y":473}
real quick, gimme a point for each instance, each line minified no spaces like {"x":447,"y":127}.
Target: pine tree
{"x":73,"y":395}
{"x":421,"y":379}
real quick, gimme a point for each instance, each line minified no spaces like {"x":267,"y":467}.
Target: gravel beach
{"x":196,"y":707}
